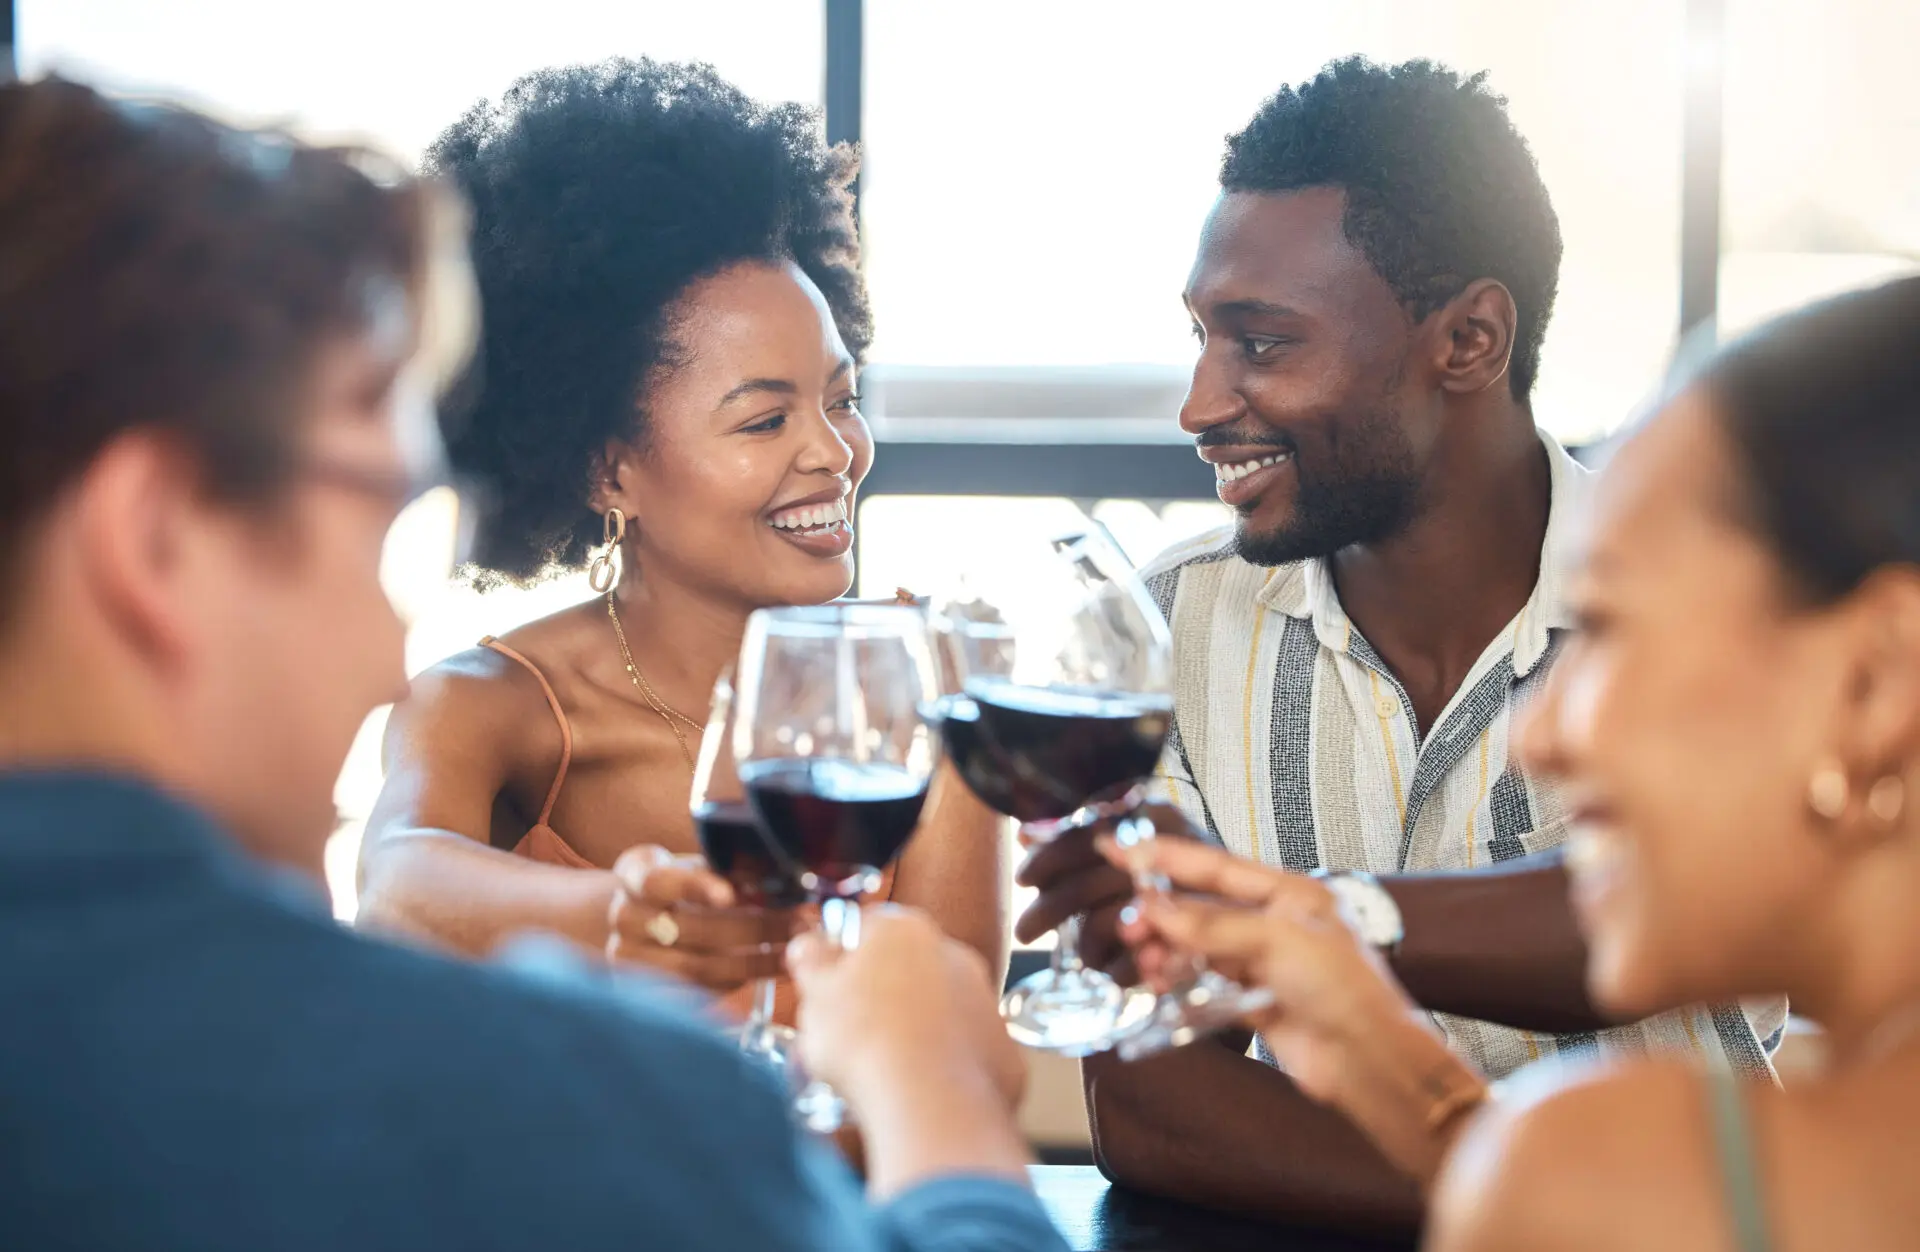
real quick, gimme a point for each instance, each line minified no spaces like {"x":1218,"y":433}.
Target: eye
{"x":1200,"y":334}
{"x":847,"y":404}
{"x":1261,"y":347}
{"x":765,"y":425}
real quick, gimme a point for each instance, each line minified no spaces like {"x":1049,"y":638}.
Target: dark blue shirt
{"x":194,"y":1056}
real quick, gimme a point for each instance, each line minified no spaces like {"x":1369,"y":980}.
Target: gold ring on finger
{"x":663,"y":930}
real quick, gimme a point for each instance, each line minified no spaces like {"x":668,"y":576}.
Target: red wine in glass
{"x":839,"y":823}
{"x":731,"y":838}
{"x":1044,"y":753}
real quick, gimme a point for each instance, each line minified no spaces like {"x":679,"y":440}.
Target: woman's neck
{"x":680,"y":638}
{"x":1866,"y":992}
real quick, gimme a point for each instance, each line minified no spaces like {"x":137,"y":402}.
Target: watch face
{"x":1369,"y":910}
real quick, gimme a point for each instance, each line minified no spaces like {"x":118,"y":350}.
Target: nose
{"x":1211,"y":398}
{"x":824,"y":450}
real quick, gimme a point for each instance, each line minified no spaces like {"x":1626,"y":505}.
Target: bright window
{"x":1037,"y":173}
{"x":1821,"y":186}
{"x":396,"y":72}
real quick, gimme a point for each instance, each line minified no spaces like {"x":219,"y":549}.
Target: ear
{"x":1881,"y":709}
{"x":134,"y":510}
{"x":1476,"y":337}
{"x":613,"y":480}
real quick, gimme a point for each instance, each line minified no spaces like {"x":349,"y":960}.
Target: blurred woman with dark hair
{"x":1737,"y":722}
{"x":674,"y":323}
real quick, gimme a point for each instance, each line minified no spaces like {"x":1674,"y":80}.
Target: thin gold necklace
{"x":668,"y":714}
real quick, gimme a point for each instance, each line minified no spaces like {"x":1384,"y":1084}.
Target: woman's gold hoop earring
{"x":601,"y":573}
{"x":1829,"y":792}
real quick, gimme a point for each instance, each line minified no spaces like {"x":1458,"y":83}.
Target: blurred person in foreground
{"x":1370,"y":294}
{"x":1735,"y":725}
{"x":667,"y":390}
{"x":211,"y":410}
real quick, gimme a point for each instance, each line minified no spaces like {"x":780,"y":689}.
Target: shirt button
{"x":1387,"y":705}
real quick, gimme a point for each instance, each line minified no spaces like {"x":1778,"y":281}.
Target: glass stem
{"x":840,"y":921}
{"x":1134,"y":831}
{"x":761,"y":1015}
{"x":1066,"y":947}
{"x":821,"y":1109}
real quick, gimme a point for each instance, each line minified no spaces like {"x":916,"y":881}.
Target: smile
{"x":819,"y":530}
{"x":810,"y":517}
{"x":1240,"y":469}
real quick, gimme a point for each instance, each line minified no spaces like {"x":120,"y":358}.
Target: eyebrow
{"x":1253,"y":308}
{"x":778,"y":386}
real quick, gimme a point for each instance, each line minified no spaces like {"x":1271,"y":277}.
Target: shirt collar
{"x":1307,"y":591}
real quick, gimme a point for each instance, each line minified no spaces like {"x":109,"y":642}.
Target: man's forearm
{"x":1211,"y":1126}
{"x":1499,"y":945}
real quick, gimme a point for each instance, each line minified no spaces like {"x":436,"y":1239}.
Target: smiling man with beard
{"x":1370,"y":294}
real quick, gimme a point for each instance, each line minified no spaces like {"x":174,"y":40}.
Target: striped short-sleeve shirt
{"x":1295,"y":745}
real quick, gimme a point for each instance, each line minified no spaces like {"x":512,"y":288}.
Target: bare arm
{"x":954,"y":870}
{"x":1500,"y":945}
{"x":1210,"y":1125}
{"x":426,"y":866}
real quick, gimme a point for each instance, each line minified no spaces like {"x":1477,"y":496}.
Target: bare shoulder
{"x":1837,"y":1157}
{"x":484,"y":690}
{"x":1604,"y":1158}
{"x":474,"y":690}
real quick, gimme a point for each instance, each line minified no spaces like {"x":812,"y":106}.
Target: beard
{"x":1363,"y":489}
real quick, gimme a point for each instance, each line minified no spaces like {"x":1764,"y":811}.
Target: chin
{"x":1624,"y":985}
{"x":826,"y":582}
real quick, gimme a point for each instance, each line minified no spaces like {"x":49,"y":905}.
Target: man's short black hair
{"x":1441,"y":189}
{"x":600,"y":193}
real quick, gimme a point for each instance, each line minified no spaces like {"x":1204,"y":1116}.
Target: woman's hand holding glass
{"x":674,"y":914}
{"x":1334,"y":1016}
{"x":1264,"y":928}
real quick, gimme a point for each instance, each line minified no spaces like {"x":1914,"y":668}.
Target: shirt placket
{"x":1465,"y":723}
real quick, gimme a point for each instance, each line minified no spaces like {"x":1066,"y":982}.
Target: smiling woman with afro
{"x":664,"y":409}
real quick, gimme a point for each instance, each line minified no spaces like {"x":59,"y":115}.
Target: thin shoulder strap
{"x":1739,"y":1172}
{"x":559,"y":715}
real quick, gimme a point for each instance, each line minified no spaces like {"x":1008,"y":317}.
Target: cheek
{"x":859,"y":438}
{"x":702,"y":506}
{"x":1686,"y":743}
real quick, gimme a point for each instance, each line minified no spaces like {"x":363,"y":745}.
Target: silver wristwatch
{"x":1366,"y":906}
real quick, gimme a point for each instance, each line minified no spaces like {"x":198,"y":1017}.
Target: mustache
{"x":1228,"y":437}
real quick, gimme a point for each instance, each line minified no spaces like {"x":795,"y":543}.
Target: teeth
{"x":810,"y":517}
{"x":1232,"y":473}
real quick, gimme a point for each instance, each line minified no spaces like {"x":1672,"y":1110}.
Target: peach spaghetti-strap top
{"x":542,"y":842}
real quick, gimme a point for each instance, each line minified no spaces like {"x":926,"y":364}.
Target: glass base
{"x":1073,"y":1012}
{"x":771,"y":1044}
{"x":820,"y":1108}
{"x":1209,"y":1004}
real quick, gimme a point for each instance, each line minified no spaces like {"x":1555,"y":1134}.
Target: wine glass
{"x":835,"y":755}
{"x":1064,"y":675}
{"x":739,"y":851}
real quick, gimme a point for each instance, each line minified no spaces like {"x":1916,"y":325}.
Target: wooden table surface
{"x":1097,"y":1217}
